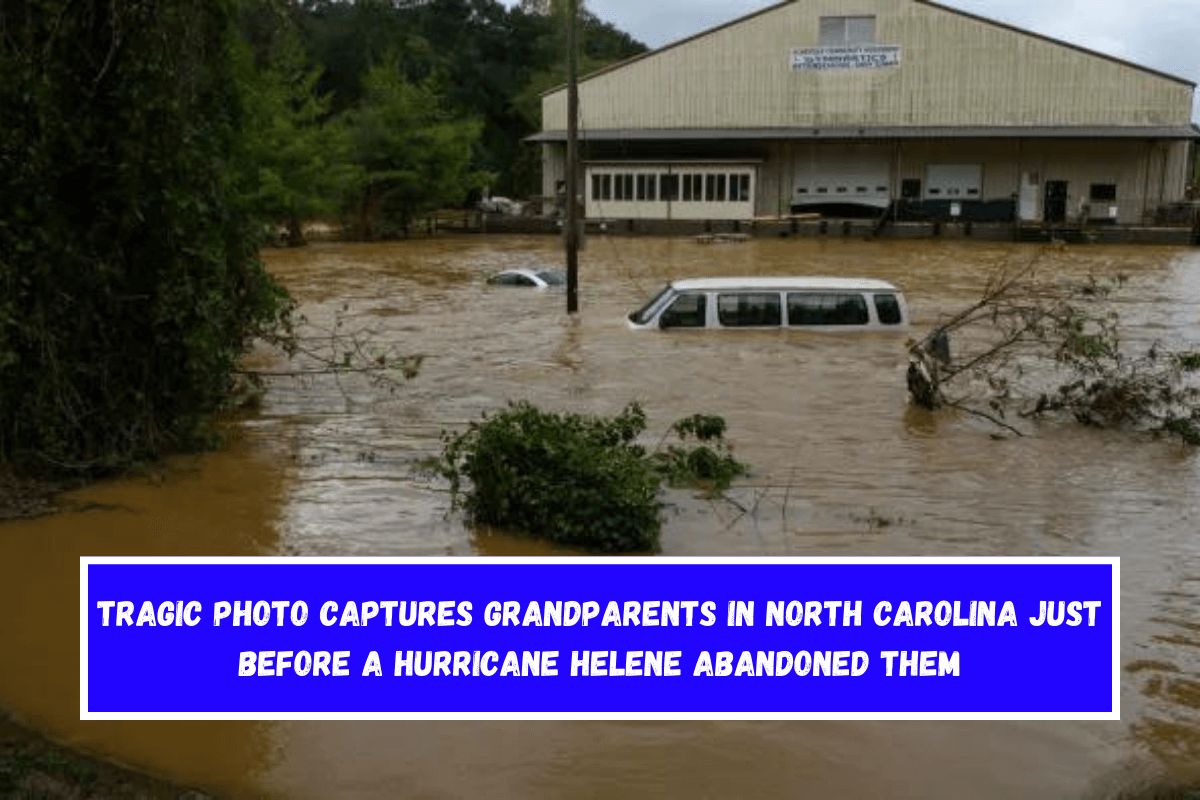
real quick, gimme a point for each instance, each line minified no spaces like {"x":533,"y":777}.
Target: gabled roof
{"x":1003,"y":25}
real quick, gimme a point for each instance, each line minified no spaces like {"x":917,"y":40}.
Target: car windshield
{"x":552,"y":278}
{"x":647,"y":312}
{"x":512,"y":279}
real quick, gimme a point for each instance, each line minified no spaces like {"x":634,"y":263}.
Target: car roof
{"x":760,"y":282}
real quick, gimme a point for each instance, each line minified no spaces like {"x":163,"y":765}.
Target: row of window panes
{"x":1098,"y":191}
{"x":973,"y":192}
{"x":843,"y":189}
{"x":689,"y":187}
{"x":750,"y":309}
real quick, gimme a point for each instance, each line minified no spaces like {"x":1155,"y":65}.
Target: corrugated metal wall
{"x":1147,"y":174}
{"x":954,"y":70}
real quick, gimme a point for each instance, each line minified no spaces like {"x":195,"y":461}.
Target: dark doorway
{"x":1056,"y":201}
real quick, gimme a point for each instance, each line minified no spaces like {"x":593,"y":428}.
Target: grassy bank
{"x":31,"y":766}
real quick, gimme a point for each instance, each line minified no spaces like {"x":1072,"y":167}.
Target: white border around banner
{"x":1113,"y":715}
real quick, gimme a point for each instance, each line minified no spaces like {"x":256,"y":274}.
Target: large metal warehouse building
{"x":857,"y":109}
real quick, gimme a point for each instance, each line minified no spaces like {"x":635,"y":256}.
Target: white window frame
{"x":846,"y":31}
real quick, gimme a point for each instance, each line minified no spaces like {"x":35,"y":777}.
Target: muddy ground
{"x":31,"y":766}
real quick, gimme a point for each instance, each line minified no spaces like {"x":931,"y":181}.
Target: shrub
{"x":576,"y":480}
{"x":708,"y":465}
{"x":571,"y":479}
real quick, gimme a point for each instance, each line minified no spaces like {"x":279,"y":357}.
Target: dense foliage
{"x":415,"y":156}
{"x":149,"y":147}
{"x":492,"y":61}
{"x":298,"y":164}
{"x":128,"y":279}
{"x":571,"y":479}
{"x":578,"y":480}
{"x":378,"y":112}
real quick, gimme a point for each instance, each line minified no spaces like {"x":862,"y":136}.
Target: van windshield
{"x":646,"y":313}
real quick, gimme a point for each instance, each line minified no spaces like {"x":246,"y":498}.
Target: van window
{"x":826,"y":308}
{"x":888,"y":309}
{"x":686,"y":312}
{"x":749,"y":308}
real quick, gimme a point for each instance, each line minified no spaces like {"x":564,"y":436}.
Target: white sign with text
{"x":866,"y":56}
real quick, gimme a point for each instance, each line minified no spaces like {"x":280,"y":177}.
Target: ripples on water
{"x":841,"y":466}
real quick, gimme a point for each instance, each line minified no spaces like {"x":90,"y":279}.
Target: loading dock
{"x":1031,"y":130}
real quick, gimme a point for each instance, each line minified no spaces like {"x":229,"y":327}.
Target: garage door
{"x":954,"y":182}
{"x":860,"y":177}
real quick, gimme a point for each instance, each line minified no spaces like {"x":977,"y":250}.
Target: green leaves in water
{"x":710,"y":466}
{"x":579,"y":480}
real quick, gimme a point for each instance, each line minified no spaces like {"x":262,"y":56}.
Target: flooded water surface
{"x":841,"y":465}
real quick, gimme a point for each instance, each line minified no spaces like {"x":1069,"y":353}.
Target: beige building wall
{"x":554,"y":171}
{"x":1147,"y":174}
{"x":953,"y":70}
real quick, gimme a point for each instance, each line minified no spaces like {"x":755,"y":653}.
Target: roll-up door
{"x":861,"y":176}
{"x":954,"y":182}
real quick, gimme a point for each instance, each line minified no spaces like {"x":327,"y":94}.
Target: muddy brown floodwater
{"x":841,"y":466}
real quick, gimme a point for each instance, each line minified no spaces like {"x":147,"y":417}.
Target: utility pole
{"x":572,"y":222}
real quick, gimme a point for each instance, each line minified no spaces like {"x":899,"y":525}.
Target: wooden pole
{"x":572,"y":221}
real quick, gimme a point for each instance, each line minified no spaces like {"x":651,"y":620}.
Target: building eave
{"x":875,"y":133}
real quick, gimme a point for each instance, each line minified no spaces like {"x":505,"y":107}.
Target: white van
{"x":809,"y":303}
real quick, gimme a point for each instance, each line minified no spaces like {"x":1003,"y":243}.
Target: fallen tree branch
{"x":1035,"y":349}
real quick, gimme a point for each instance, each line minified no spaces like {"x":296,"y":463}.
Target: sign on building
{"x":864,"y":56}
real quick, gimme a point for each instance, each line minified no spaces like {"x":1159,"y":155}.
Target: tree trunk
{"x":295,"y":233}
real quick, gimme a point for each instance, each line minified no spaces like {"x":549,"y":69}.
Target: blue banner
{"x":599,"y":638}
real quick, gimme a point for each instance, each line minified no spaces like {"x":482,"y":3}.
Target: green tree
{"x":487,"y":53}
{"x":298,"y":156}
{"x":129,"y":286}
{"x":414,"y":151}
{"x":347,"y":38}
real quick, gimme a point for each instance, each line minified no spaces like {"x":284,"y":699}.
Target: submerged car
{"x":789,"y":302}
{"x":537,"y":278}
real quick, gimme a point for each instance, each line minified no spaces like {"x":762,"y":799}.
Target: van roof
{"x":760,"y":282}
